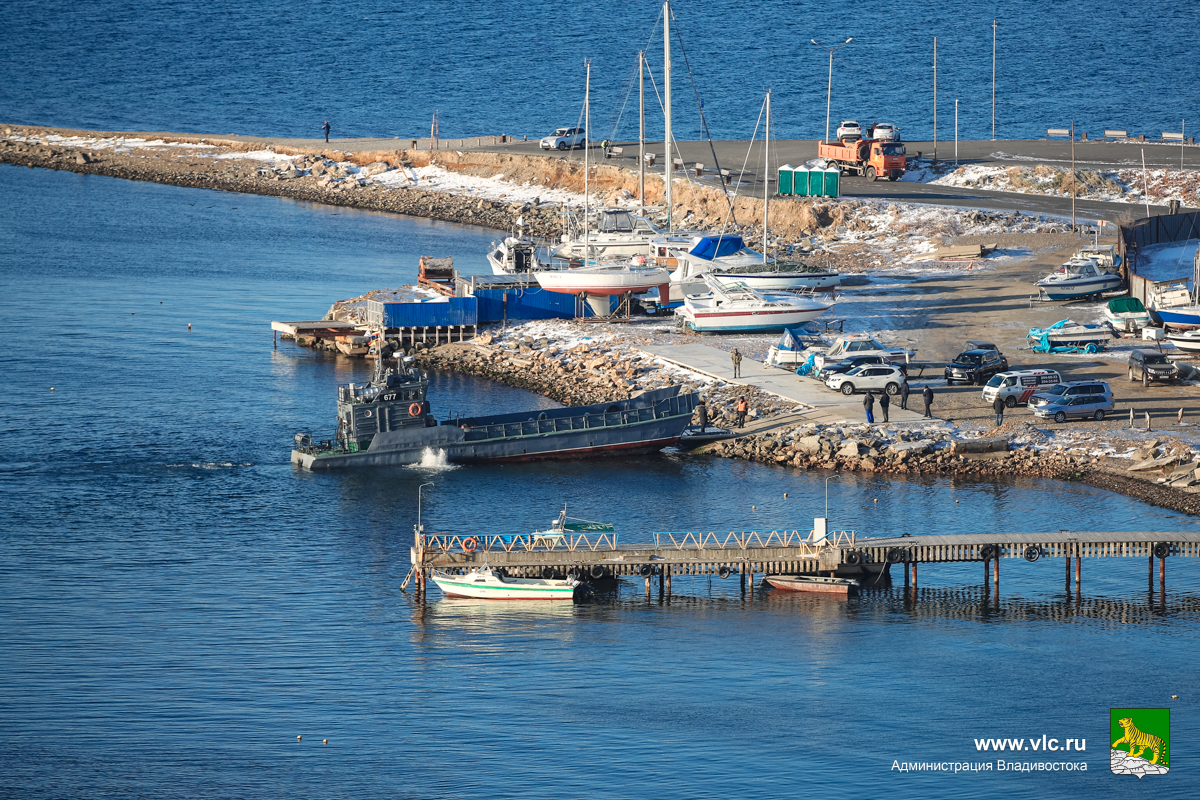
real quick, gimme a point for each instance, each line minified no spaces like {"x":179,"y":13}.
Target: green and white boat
{"x":485,"y":583}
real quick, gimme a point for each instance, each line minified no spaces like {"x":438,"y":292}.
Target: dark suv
{"x":975,"y":366}
{"x":1147,"y":365}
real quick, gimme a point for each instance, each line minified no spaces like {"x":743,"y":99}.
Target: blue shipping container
{"x":424,"y":313}
{"x":529,"y":304}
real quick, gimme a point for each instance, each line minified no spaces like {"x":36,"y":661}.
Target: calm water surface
{"x":179,"y":604}
{"x":516,"y":66}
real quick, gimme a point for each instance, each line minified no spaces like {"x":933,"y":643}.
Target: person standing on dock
{"x":742,"y":407}
{"x":927,"y":397}
{"x":998,"y":407}
{"x":904,"y":395}
{"x":702,"y":412}
{"x":325,"y":128}
{"x":737,"y":363}
{"x":869,"y":405}
{"x":884,"y":403}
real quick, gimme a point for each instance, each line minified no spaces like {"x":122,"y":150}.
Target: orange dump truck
{"x":871,"y":158}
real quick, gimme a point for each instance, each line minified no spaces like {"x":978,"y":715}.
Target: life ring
{"x":723,"y":571}
{"x":470,"y":544}
{"x":646,"y":570}
{"x":414,"y":410}
{"x":1032,"y":553}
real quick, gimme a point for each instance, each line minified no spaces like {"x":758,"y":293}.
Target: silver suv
{"x":1066,"y":391}
{"x":1149,"y":365}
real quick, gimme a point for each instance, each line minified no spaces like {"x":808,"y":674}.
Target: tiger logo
{"x":1140,"y":741}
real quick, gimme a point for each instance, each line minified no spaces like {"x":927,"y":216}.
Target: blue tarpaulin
{"x":710,"y":247}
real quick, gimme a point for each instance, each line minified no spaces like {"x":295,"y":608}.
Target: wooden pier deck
{"x":750,"y":553}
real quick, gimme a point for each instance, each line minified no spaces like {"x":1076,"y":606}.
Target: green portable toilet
{"x":784,"y":184}
{"x":816,"y":182}
{"x":800,"y":181}
{"x":832,"y":187}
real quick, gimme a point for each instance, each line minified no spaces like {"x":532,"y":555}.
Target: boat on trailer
{"x":1078,"y":277}
{"x":1127,"y":314}
{"x":843,"y":587}
{"x":485,"y":583}
{"x":734,"y":306}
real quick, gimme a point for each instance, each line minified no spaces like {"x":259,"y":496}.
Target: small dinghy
{"x":813,"y":583}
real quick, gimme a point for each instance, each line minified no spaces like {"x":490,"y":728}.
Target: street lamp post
{"x":832,"y":477}
{"x":420,"y":528}
{"x":829,"y":88}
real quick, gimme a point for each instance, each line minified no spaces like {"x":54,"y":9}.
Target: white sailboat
{"x":603,"y":279}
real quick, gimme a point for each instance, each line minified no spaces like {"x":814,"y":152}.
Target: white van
{"x":1017,"y":386}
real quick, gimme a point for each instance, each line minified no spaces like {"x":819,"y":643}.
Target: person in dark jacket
{"x":869,"y":405}
{"x":904,"y":395}
{"x":702,"y":412}
{"x":884,"y":402}
{"x":927,"y":397}
{"x":736,"y":357}
{"x":325,"y":128}
{"x":998,"y":407}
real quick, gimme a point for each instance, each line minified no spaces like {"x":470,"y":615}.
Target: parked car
{"x":975,"y":366}
{"x":980,"y":344}
{"x":885,"y":132}
{"x":564,"y":139}
{"x":1070,"y":390}
{"x":1081,"y":406}
{"x":876,"y":377}
{"x":1149,"y":365}
{"x":847,"y":364}
{"x":849,"y":129}
{"x":1018,"y":386}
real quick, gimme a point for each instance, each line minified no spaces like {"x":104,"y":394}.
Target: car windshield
{"x":893,"y":149}
{"x":560,"y":132}
{"x":856,"y":370}
{"x":1058,"y":388}
{"x":1156,"y":358}
{"x":969,"y":358}
{"x":997,"y":380}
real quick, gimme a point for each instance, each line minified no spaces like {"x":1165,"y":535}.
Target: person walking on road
{"x":737,"y":363}
{"x":869,"y":405}
{"x":702,"y":412}
{"x":927,"y":397}
{"x":904,"y":395}
{"x":998,"y":407}
{"x":325,"y":128}
{"x":742,"y":407}
{"x":884,"y":402}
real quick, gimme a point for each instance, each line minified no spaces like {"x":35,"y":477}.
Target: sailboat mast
{"x":642,"y":129}
{"x":670,"y":165}
{"x":587,"y":145}
{"x":766,"y":177}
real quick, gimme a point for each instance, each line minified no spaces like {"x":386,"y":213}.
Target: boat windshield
{"x":617,"y":222}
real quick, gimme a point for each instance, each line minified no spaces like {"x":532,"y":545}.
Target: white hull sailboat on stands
{"x":603,"y":279}
{"x":735,"y":307}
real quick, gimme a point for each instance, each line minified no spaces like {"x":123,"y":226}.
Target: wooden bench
{"x":699,"y":170}
{"x":1116,"y":134}
{"x":1172,"y":137}
{"x":1052,"y":132}
{"x":614,"y":151}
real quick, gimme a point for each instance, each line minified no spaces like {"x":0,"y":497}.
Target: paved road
{"x":732,"y":155}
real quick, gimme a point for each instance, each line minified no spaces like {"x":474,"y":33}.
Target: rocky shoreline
{"x":585,"y":375}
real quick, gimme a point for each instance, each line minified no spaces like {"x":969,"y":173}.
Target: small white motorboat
{"x":1187,"y":341}
{"x":734,"y":306}
{"x":603,"y":279}
{"x":1078,"y":277}
{"x":1127,"y":314}
{"x":860,"y":344}
{"x":1068,"y":335}
{"x":485,"y":583}
{"x":1176,"y":306}
{"x":790,"y":350}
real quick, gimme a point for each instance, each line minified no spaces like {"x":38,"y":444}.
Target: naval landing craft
{"x":387,"y":422}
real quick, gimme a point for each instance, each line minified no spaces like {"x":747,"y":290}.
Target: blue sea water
{"x":179,"y":604}
{"x":516,"y":66}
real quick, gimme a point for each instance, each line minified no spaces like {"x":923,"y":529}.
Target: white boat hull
{"x":755,"y":320}
{"x":1186,"y":343}
{"x":602,"y":282}
{"x":490,"y":587}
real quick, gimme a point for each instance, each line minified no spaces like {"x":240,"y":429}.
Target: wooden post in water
{"x":996,"y":569}
{"x":669,"y":571}
{"x":987,"y":571}
{"x":914,"y":570}
{"x":1162,"y":574}
{"x":1068,"y":578}
{"x":1149,"y":572}
{"x":647,"y":587}
{"x":742,"y":578}
{"x":1078,"y":570}
{"x":906,"y":576}
{"x":662,"y":571}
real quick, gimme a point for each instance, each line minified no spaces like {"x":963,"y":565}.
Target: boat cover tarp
{"x":1039,"y":340}
{"x":790,"y":341}
{"x":1126,"y":305}
{"x":710,"y":247}
{"x":588,"y":527}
